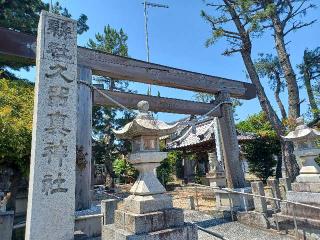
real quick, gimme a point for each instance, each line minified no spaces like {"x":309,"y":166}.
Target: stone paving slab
{"x":230,"y":230}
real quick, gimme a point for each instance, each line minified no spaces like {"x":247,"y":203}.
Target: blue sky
{"x":177,"y":37}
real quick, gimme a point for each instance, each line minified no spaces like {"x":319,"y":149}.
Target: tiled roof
{"x":200,"y":133}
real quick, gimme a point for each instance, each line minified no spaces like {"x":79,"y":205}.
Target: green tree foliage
{"x":124,"y":170}
{"x":16,"y":105}
{"x":111,"y":41}
{"x":168,"y":167}
{"x":260,"y":155}
{"x":107,"y":148}
{"x":261,"y":151}
{"x":81,"y":22}
{"x":258,"y":124}
{"x":23,"y":15}
{"x":268,"y":66}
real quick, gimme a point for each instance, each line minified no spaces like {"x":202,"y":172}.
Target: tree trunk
{"x":289,"y":160}
{"x":109,"y":173}
{"x":277,"y":96}
{"x":279,"y":166}
{"x":312,"y":100}
{"x":292,"y":85}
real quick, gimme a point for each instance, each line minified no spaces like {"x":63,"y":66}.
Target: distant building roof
{"x":200,"y":134}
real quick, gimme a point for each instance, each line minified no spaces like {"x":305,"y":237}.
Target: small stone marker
{"x":108,"y":208}
{"x":190,"y":203}
{"x":51,"y":201}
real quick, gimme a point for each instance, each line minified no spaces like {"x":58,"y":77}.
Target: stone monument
{"x":306,"y":188}
{"x":148,"y":212}
{"x":216,"y":174}
{"x":51,"y":199}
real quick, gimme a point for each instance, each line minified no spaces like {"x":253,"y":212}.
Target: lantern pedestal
{"x":147,"y":182}
{"x":309,"y":172}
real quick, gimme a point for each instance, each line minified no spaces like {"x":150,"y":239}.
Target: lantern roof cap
{"x":302,"y":131}
{"x":144,"y":124}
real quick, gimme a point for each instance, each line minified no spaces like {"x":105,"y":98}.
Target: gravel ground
{"x":228,"y":229}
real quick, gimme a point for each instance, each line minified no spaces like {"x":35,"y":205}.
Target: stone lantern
{"x":148,"y":213}
{"x":306,"y":150}
{"x":144,"y":132}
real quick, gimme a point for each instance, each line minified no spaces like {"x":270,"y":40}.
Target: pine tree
{"x":106,"y":148}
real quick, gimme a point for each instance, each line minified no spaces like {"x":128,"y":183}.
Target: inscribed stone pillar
{"x":260,"y":203}
{"x":84,"y":126}
{"x":51,"y":199}
{"x":230,"y":145}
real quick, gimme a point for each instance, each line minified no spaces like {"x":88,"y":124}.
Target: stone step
{"x":185,"y":232}
{"x":300,"y":211}
{"x":149,"y":222}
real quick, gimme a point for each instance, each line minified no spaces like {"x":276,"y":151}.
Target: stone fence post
{"x":275,"y":190}
{"x":285,"y":184}
{"x":107,"y":209}
{"x":190,"y":203}
{"x":260,"y":203}
{"x":6,"y":225}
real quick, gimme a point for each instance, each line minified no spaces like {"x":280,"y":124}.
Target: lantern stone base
{"x":308,"y":178}
{"x":226,"y":201}
{"x":303,"y":187}
{"x":306,"y":193}
{"x":149,"y":218}
{"x":145,"y":204}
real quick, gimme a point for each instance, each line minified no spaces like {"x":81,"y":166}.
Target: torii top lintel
{"x":21,"y":47}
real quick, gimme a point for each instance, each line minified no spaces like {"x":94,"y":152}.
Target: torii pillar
{"x":230,"y":144}
{"x":231,"y":153}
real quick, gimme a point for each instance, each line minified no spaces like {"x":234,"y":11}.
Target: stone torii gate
{"x":20,"y":47}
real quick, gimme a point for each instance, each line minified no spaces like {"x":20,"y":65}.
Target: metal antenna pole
{"x":146,"y":30}
{"x":146,"y":5}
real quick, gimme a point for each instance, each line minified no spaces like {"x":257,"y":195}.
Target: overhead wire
{"x":190,"y":123}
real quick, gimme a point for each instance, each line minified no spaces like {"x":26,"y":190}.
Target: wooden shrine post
{"x":84,"y":141}
{"x":230,"y":145}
